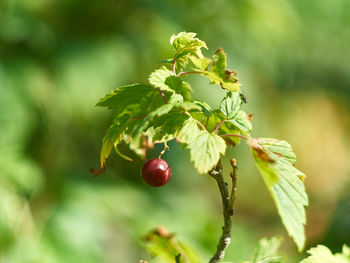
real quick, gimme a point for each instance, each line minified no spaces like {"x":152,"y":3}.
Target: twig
{"x":189,"y":72}
{"x":227,"y":202}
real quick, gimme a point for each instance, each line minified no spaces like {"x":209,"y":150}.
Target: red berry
{"x":156,"y":172}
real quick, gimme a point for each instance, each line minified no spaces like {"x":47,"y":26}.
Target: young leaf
{"x":186,"y":41}
{"x":186,"y":45}
{"x":205,"y":151}
{"x":165,"y":80}
{"x":322,"y":254}
{"x":285,"y":184}
{"x":188,"y":132}
{"x":231,"y":104}
{"x":242,"y":122}
{"x":219,"y":75}
{"x":134,"y":99}
{"x":267,"y":251}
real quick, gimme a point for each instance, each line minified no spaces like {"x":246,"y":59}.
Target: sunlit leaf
{"x":322,"y":254}
{"x":205,"y":151}
{"x":285,"y":184}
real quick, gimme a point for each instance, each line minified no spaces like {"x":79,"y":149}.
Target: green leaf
{"x":167,"y":127}
{"x":205,"y":107}
{"x":164,"y":79}
{"x":218,"y":73}
{"x":166,"y":120}
{"x":112,"y":137}
{"x":231,"y":104}
{"x":186,"y":45}
{"x":267,"y":251}
{"x":227,"y":127}
{"x":322,"y":254}
{"x":201,"y":62}
{"x":205,"y":151}
{"x":188,"y":132}
{"x":134,"y":99}
{"x":242,"y":122}
{"x":165,"y":247}
{"x":187,"y":41}
{"x":284,"y":182}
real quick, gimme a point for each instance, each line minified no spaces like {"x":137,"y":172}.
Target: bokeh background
{"x":58,"y":57}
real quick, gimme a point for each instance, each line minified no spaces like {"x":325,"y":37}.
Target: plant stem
{"x":163,"y":95}
{"x":218,"y":126}
{"x":189,"y":72}
{"x":227,"y":202}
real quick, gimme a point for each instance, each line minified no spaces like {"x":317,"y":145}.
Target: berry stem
{"x":227,"y":202}
{"x":164,"y":150}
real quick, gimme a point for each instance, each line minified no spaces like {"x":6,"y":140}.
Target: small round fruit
{"x":156,"y":172}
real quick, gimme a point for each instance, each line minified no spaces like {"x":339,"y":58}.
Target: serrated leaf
{"x":285,"y":184}
{"x":242,"y":122}
{"x":278,"y":149}
{"x":205,"y":107}
{"x":231,"y":104}
{"x":188,"y":132}
{"x":186,"y":45}
{"x":161,"y":120}
{"x":164,"y":79}
{"x":322,"y":254}
{"x":187,"y":41}
{"x":113,"y":135}
{"x":218,"y":73}
{"x":267,"y":251}
{"x":205,"y":151}
{"x":167,"y":127}
{"x":134,"y":99}
{"x":201,"y":62}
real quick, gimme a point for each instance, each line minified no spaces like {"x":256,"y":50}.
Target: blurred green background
{"x":58,"y":57}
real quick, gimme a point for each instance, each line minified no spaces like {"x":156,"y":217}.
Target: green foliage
{"x":322,"y":254}
{"x":166,"y":111}
{"x":205,"y":150}
{"x":275,"y":160}
{"x":165,"y":248}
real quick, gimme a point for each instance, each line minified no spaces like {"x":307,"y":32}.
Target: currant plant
{"x":164,"y":110}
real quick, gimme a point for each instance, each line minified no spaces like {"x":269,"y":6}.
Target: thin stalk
{"x":227,"y":202}
{"x":163,"y":95}
{"x":218,"y":126}
{"x":189,"y":72}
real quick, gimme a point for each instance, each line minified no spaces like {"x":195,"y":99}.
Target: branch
{"x":227,"y":202}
